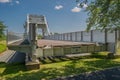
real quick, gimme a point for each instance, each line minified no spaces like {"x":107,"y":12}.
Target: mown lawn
{"x":2,"y":46}
{"x":55,"y":70}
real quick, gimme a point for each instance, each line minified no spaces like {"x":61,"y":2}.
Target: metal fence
{"x":91,"y":36}
{"x":14,"y":37}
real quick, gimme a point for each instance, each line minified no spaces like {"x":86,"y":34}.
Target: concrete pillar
{"x":33,"y":62}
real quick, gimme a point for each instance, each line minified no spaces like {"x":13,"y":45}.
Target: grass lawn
{"x":54,"y":70}
{"x":2,"y":46}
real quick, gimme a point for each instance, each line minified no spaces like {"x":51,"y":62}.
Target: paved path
{"x":107,"y":74}
{"x":11,"y":56}
{"x":18,"y":57}
{"x":5,"y":56}
{"x":78,"y":55}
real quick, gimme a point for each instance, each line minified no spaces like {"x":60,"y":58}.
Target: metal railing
{"x":14,"y":37}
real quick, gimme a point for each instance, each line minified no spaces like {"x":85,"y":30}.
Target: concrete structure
{"x":38,"y":21}
{"x":47,"y":48}
{"x":69,"y":43}
{"x":101,"y":37}
{"x":29,"y":44}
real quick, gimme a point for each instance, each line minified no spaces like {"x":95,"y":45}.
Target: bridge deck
{"x":56,"y":43}
{"x":18,"y":42}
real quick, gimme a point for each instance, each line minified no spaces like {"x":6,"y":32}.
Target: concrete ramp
{"x":11,"y":56}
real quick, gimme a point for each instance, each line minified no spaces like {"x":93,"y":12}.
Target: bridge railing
{"x":110,"y":38}
{"x":84,"y":36}
{"x":13,"y":37}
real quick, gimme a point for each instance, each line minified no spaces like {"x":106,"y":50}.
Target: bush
{"x":2,"y":46}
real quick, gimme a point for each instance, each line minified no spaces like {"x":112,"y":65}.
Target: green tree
{"x":40,"y":36}
{"x":2,"y":27}
{"x":102,"y":13}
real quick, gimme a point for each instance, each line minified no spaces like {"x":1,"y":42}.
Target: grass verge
{"x":55,"y":70}
{"x":2,"y":46}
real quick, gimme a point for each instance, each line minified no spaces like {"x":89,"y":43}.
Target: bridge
{"x":59,"y":44}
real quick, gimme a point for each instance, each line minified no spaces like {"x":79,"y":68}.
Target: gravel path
{"x":107,"y":74}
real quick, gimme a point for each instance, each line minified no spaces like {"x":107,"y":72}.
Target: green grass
{"x":99,"y":54}
{"x":55,"y":70}
{"x":2,"y":46}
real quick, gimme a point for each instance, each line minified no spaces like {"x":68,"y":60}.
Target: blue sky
{"x":62,"y":15}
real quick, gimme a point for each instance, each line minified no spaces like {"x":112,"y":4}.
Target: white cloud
{"x":17,"y":2}
{"x":58,"y":7}
{"x":78,"y":4}
{"x":85,"y":5}
{"x":5,"y":1}
{"x":76,"y":9}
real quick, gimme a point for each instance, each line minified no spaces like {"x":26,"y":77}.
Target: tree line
{"x":102,"y":13}
{"x":2,"y":28}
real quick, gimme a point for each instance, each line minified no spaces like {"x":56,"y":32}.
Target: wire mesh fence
{"x":14,"y":37}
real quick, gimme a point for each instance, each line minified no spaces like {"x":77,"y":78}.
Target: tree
{"x":2,"y":27}
{"x":103,"y":14}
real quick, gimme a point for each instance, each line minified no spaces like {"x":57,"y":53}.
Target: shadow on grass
{"x":102,"y":63}
{"x":12,"y":68}
{"x":72,"y":68}
{"x":57,"y":59}
{"x":2,"y":64}
{"x":39,"y":75}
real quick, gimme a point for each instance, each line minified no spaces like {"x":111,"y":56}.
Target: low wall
{"x":62,"y":51}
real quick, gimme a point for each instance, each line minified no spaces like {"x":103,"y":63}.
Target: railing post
{"x":106,"y":44}
{"x":81,"y":35}
{"x":91,"y":35}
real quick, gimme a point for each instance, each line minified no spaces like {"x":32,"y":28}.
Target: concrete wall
{"x":61,"y":51}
